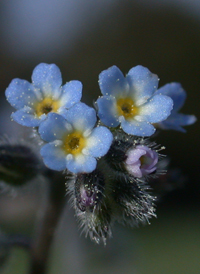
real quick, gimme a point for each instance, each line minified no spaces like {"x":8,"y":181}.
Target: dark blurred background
{"x":83,"y":38}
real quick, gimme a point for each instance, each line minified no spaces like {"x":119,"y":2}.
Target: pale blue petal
{"x":20,"y":93}
{"x":176,"y":92}
{"x":62,"y":111}
{"x":53,"y":156}
{"x":176,"y":122}
{"x":142,"y":83}
{"x":53,"y":128}
{"x":47,"y":78}
{"x":107,"y":111}
{"x":157,"y":109}
{"x":112,"y":81}
{"x":26,"y":117}
{"x":81,"y":163}
{"x":71,"y":94}
{"x":81,"y":117}
{"x":98,"y":143}
{"x":137,"y":128}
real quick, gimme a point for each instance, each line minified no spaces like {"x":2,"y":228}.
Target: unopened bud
{"x":18,"y":164}
{"x":89,"y":189}
{"x":141,"y":161}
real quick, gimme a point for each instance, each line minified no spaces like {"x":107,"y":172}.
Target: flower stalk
{"x":46,"y":227}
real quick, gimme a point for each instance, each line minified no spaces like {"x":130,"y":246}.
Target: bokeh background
{"x":83,"y":38}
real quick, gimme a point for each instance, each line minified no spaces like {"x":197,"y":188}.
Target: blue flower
{"x":175,"y":120}
{"x":34,"y":101}
{"x":73,"y":142}
{"x":131,"y":101}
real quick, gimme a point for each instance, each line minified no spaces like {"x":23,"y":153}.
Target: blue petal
{"x":53,"y":128}
{"x":47,"y":78}
{"x":81,"y":163}
{"x":20,"y":93}
{"x":98,"y":143}
{"x":107,"y":111}
{"x":112,"y":81}
{"x":26,"y":117}
{"x":81,"y":117}
{"x":157,"y":109}
{"x":142,"y":83}
{"x":176,"y":122}
{"x":176,"y":92}
{"x":137,"y":128}
{"x":53,"y":156}
{"x":71,"y":93}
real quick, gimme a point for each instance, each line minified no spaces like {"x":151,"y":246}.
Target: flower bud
{"x":89,"y":189}
{"x":18,"y":163}
{"x":132,"y":196}
{"x":141,"y":160}
{"x":91,"y":204}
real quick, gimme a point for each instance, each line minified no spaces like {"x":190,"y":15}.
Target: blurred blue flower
{"x":131,"y":101}
{"x":74,"y":143}
{"x":34,"y":101}
{"x":175,"y":120}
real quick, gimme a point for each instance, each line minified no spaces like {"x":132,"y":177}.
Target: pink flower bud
{"x":141,"y":161}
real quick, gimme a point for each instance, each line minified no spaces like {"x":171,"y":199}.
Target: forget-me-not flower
{"x":34,"y":101}
{"x":73,"y":142}
{"x":176,"y":120}
{"x":131,"y":101}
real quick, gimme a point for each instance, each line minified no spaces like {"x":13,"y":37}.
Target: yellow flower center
{"x":45,"y":106}
{"x":74,"y":143}
{"x":144,"y":160}
{"x":126,"y":107}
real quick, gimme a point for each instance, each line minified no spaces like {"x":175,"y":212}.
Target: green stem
{"x":45,"y":231}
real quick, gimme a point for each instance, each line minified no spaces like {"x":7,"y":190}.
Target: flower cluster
{"x":63,"y":121}
{"x":106,"y":150}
